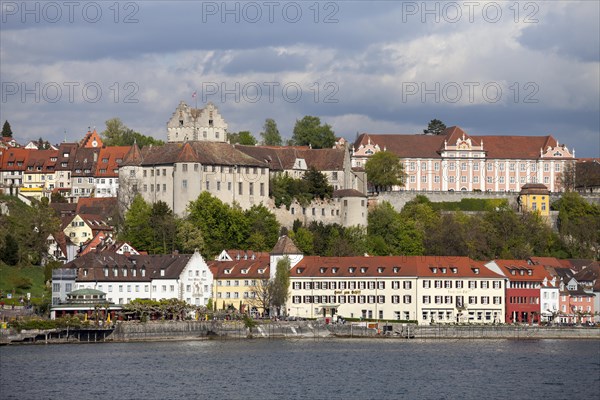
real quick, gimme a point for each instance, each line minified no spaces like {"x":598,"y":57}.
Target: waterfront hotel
{"x":427,"y":289}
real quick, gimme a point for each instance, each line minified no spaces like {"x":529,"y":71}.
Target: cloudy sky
{"x":520,"y":68}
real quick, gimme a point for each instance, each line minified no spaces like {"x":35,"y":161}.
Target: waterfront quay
{"x":236,"y":330}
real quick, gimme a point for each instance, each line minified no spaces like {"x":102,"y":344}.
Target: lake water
{"x":304,"y":369}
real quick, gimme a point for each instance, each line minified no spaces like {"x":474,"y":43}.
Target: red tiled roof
{"x":207,"y":153}
{"x":547,"y":261}
{"x":41,"y":158}
{"x":14,"y":155}
{"x":348,"y":193}
{"x":282,"y":158}
{"x":388,"y":266}
{"x":241,"y":269}
{"x":405,"y":146}
{"x":110,"y":159}
{"x":428,"y":146}
{"x":538,"y":272}
{"x":101,"y":206}
{"x":285,"y":245}
{"x":133,"y":156}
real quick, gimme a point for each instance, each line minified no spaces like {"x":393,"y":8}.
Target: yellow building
{"x":238,"y":278}
{"x":39,"y":176}
{"x":81,"y":228}
{"x":535,"y":197}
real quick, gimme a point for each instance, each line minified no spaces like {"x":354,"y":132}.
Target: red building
{"x":523,"y":289}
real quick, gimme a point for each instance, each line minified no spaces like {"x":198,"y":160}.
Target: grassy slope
{"x":10,"y":275}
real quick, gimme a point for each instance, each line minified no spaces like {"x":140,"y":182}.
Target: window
{"x":183,"y":184}
{"x":426,"y":299}
{"x":472,"y":284}
{"x":240,"y":188}
{"x":407,"y":299}
{"x":472,"y":299}
{"x":407,"y":285}
{"x":426,"y":284}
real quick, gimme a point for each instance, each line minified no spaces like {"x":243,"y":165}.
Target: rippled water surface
{"x":304,"y":369}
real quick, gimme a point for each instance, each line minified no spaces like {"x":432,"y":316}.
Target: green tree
{"x":264,"y":228}
{"x":579,"y":225}
{"x":189,"y":237}
{"x":317,"y":184}
{"x":390,"y":233}
{"x":42,"y":223}
{"x":164,"y":228}
{"x":226,"y":226}
{"x":435,"y":127}
{"x":117,"y":134}
{"x":281,"y":284}
{"x":137,"y":230}
{"x":303,"y":239}
{"x":6,"y":130}
{"x":309,"y":131}
{"x":270,"y":134}
{"x":9,"y":253}
{"x":243,"y":137}
{"x":384,"y":170}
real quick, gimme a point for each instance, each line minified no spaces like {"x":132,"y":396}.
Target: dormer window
{"x":443,"y":270}
{"x":363,"y":270}
{"x":322,"y":270}
{"x":261,"y":271}
{"x":227,"y":271}
{"x":380,"y":270}
{"x":162,"y":272}
{"x":434,"y":270}
{"x":334,"y":270}
{"x":521,"y":272}
{"x":351,"y":269}
{"x":106,"y":271}
{"x":529,"y":272}
{"x":454,"y":270}
{"x":143,"y":271}
{"x":245,"y":271}
{"x":124,"y":271}
{"x":513,"y":272}
{"x":475,"y":271}
{"x":115,"y":271}
{"x":85,"y":271}
{"x":299,"y":270}
{"x":396,"y":270}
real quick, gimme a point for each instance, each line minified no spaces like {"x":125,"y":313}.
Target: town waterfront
{"x":304,"y":369}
